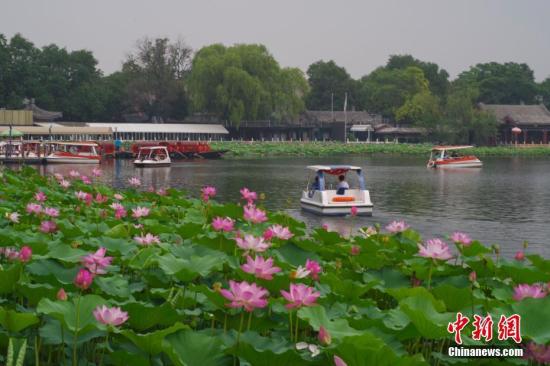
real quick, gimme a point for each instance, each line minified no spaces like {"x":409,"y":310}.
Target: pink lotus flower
{"x":148,"y":239}
{"x":58,"y":176}
{"x":339,"y":362}
{"x":61,"y":295}
{"x":48,"y":227}
{"x":140,"y":212}
{"x":34,"y":208}
{"x":324,"y":336}
{"x":353,"y":211}
{"x":82,"y":196}
{"x":99,"y":198}
{"x":268,"y":234}
{"x":120,"y":211}
{"x":83,"y":279}
{"x":248,"y":195}
{"x":472,"y":276}
{"x":539,"y":353}
{"x":325,"y":227}
{"x":523,"y":291}
{"x":260,"y":267}
{"x":25,"y":254}
{"x":134,"y":182}
{"x":10,"y":253}
{"x":461,"y":238}
{"x":355,"y":250}
{"x":96,"y":172}
{"x":40,"y":196}
{"x":300,"y":295}
{"x":64,"y":183}
{"x":151,"y":189}
{"x":281,"y":232}
{"x":314,"y":268}
{"x":52,"y":212}
{"x":161,"y":192}
{"x":97,"y":262}
{"x":252,"y":243}
{"x":116,"y":206}
{"x":85,"y":179}
{"x":254,"y":215}
{"x":118,"y":196}
{"x":520,"y":255}
{"x":397,"y":226}
{"x":223,"y":224}
{"x":208,"y":192}
{"x":243,"y":294}
{"x":13,"y":217}
{"x":74,"y":174}
{"x":110,"y":316}
{"x":436,"y":249}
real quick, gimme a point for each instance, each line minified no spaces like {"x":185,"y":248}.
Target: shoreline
{"x":248,"y":149}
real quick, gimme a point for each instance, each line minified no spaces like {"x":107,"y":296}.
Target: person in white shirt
{"x":342,"y":185}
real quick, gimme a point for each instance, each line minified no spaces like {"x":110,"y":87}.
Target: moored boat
{"x":21,"y":152}
{"x":319,"y":200}
{"x":72,"y":153}
{"x":449,"y":157}
{"x":153,"y":156}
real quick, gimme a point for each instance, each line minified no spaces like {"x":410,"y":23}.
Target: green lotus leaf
{"x":316,"y":317}
{"x":272,"y":351}
{"x":119,"y":231}
{"x":189,"y":348}
{"x":116,"y":285}
{"x":430,"y":323}
{"x":535,"y":317}
{"x":455,"y":298}
{"x":520,"y":273}
{"x":50,"y":269}
{"x":53,"y":332}
{"x":475,"y":249}
{"x":15,"y":322}
{"x":143,"y":316}
{"x":65,"y":312}
{"x":9,"y":277}
{"x":151,"y":343}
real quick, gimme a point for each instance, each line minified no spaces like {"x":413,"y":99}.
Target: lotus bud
{"x":339,"y":362}
{"x":83,"y":279}
{"x":324,"y":336}
{"x":520,"y":255}
{"x":25,"y":254}
{"x":353,"y":211}
{"x":355,"y":250}
{"x":473,"y":276}
{"x":61,"y":295}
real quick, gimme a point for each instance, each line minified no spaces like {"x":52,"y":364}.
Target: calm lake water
{"x":505,"y":202}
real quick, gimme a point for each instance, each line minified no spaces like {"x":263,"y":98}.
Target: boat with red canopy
{"x":449,"y":157}
{"x":72,"y":152}
{"x":321,"y":198}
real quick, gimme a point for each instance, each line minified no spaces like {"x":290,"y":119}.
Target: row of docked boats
{"x":38,"y":152}
{"x":337,"y":198}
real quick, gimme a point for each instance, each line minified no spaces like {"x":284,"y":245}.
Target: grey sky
{"x":359,"y":35}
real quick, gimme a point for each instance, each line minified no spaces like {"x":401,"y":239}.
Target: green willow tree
{"x":245,"y":82}
{"x":328,"y":85}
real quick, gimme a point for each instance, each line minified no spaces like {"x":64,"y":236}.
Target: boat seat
{"x":343,"y":199}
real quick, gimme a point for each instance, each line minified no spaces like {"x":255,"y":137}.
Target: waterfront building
{"x":532,"y":122}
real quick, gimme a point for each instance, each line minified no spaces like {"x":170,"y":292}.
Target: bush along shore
{"x":329,"y":148}
{"x":90,"y":275}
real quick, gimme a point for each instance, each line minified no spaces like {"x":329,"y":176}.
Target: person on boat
{"x":342,"y":185}
{"x":315,"y":186}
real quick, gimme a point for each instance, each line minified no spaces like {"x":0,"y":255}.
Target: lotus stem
{"x":106,"y":347}
{"x":430,"y":275}
{"x":296,"y":331}
{"x":239,"y":336}
{"x":249,"y":321}
{"x":75,"y":362}
{"x":36,"y":352}
{"x":290,"y":323}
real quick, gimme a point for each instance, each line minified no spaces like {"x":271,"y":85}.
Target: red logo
{"x":508,"y":327}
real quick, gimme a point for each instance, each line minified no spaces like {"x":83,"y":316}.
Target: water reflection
{"x":506,"y":202}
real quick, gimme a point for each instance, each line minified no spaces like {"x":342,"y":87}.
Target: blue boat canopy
{"x":333,"y":169}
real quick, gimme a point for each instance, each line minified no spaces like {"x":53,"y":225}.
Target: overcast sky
{"x":359,"y":35}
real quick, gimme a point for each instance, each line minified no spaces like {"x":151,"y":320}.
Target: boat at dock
{"x":21,"y":152}
{"x":449,"y":157}
{"x":317,"y":199}
{"x":70,"y":152}
{"x":152,"y":156}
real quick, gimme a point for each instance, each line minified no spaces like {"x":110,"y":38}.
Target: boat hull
{"x":472,"y":163}
{"x":144,"y":164}
{"x":333,"y":210}
{"x":18,"y":160}
{"x":66,"y":160}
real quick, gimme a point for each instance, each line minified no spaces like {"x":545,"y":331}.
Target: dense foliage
{"x":91,"y":275}
{"x":163,"y":80}
{"x":329,"y":148}
{"x":245,"y":82}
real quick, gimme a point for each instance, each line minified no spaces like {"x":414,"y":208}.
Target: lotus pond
{"x":91,"y":275}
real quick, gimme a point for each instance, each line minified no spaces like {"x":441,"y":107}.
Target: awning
{"x":55,"y":130}
{"x":163,"y":128}
{"x":361,"y":128}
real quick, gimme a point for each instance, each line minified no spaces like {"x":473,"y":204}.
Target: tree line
{"x":164,"y":80}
